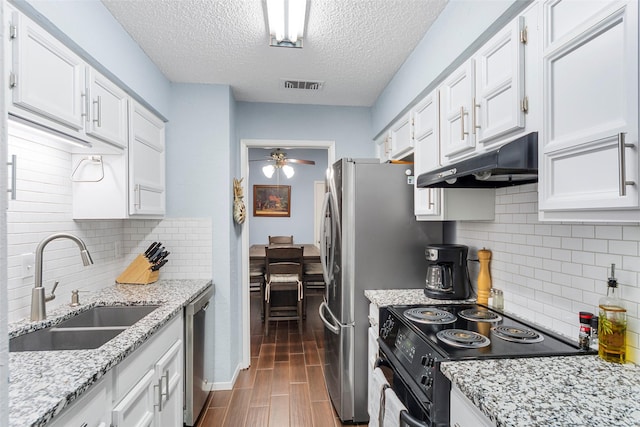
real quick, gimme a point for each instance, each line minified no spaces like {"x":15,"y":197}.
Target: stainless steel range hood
{"x":515,"y":163}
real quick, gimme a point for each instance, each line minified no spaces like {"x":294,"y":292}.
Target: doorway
{"x":245,"y":145}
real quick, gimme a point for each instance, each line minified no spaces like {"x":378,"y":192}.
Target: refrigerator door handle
{"x":327,"y":263}
{"x":332,"y":327}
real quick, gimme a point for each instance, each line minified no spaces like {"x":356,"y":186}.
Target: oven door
{"x":417,"y":414}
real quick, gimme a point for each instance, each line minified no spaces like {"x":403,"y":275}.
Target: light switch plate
{"x":28,"y":264}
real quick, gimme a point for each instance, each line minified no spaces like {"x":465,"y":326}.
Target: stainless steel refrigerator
{"x":369,"y":240}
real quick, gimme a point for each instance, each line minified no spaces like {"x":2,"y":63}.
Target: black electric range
{"x":414,"y":340}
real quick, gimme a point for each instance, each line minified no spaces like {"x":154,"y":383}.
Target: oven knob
{"x":427,"y":361}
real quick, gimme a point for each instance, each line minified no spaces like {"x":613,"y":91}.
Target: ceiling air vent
{"x":302,"y":84}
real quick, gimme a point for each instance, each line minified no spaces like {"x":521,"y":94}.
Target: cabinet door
{"x":137,"y":407}
{"x":589,"y":147}
{"x":499,"y":85}
{"x":146,"y":163}
{"x":401,"y":137}
{"x":427,"y":152}
{"x":49,"y":78}
{"x":383,"y":142}
{"x":108,"y":105}
{"x":90,"y":410}
{"x":464,"y":413}
{"x":455,"y":107}
{"x":169,"y":369}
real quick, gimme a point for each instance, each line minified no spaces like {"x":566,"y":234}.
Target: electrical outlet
{"x":28,"y":262}
{"x":117,"y":249}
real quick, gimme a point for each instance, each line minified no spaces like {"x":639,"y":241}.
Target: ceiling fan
{"x":278,"y":160}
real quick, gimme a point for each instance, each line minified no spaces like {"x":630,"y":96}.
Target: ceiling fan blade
{"x":300,"y":161}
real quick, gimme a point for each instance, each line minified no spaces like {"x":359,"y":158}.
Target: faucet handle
{"x":53,"y":290}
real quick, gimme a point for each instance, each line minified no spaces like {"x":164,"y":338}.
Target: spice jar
{"x":584,"y":336}
{"x":496,"y":299}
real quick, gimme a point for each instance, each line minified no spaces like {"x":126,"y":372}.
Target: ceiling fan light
{"x":268,"y":170}
{"x":288,"y":171}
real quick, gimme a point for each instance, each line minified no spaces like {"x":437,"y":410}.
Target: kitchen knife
{"x":156,"y":252}
{"x":159,"y":257}
{"x":158,"y":266}
{"x":150,"y":248}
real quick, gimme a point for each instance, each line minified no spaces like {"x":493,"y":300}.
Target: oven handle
{"x":411,"y":421}
{"x":382,"y":362}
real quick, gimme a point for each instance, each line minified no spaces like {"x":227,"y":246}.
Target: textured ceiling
{"x":353,"y":46}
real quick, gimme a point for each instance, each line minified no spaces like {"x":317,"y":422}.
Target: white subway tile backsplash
{"x":565,"y":265}
{"x":44,"y":206}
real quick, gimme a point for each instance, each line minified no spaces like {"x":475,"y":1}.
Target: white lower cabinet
{"x":144,"y":390}
{"x":463,"y":413}
{"x":149,"y":383}
{"x":90,"y":410}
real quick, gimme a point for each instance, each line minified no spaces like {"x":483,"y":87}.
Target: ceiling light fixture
{"x":286,"y":21}
{"x":269,"y":170}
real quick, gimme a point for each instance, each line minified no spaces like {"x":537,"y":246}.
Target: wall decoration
{"x":239,"y":210}
{"x":272,"y":200}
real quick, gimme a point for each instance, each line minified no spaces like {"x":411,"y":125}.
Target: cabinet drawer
{"x":132,"y":368}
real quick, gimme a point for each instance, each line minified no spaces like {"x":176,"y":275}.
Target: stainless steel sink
{"x":88,"y":330}
{"x":63,"y":339}
{"x":103,"y":316}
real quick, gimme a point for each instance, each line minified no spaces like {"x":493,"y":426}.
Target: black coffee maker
{"x":447,"y":274}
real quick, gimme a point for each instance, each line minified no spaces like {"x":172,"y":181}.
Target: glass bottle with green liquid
{"x":612,"y":323}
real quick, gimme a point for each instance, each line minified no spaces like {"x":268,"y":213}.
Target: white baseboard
{"x":227,"y":385}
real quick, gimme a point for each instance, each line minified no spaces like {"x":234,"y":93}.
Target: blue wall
{"x":301,"y":222}
{"x":349,"y":127}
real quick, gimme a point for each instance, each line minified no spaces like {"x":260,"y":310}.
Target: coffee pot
{"x":447,"y":275}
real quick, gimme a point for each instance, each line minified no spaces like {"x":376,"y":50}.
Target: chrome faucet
{"x":38,"y":298}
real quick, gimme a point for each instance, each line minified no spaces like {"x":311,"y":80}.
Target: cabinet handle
{"x":166,"y":384}
{"x":159,"y":388}
{"x":622,"y":146}
{"x":138,"y":197}
{"x":98,"y":119}
{"x":462,"y":132}
{"x":14,"y":179}
{"x":473,"y":115}
{"x":430,"y":202}
{"x":85,"y":107}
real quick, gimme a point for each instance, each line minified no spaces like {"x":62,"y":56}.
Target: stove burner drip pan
{"x":517,"y":334}
{"x":463,"y":339}
{"x":430,"y":315}
{"x":480,"y":315}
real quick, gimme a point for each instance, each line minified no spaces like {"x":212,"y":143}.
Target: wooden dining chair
{"x":256,"y":282}
{"x":284,"y":291}
{"x":281,"y":240}
{"x":312,"y":278}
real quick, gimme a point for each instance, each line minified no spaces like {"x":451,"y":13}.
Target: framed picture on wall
{"x":272,"y":200}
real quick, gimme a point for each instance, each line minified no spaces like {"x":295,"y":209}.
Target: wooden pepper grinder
{"x":484,"y":278}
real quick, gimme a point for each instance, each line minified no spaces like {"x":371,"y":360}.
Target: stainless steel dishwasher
{"x":195,"y":392}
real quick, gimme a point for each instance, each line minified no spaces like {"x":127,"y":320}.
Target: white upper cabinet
{"x":589,"y":147}
{"x":499,"y":67}
{"x":427,"y":152}
{"x":47,"y":78}
{"x":456,"y":94}
{"x":146,"y":162}
{"x":401,"y":138}
{"x":383,"y":144}
{"x":485,"y":101}
{"x":437,"y":204}
{"x":108,"y":110}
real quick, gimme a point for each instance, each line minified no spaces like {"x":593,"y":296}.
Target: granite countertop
{"x":541,"y":391}
{"x":42,"y":383}
{"x":386,"y":297}
{"x":550,"y":391}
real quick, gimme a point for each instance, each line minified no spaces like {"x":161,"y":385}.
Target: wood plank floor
{"x":284,"y":385}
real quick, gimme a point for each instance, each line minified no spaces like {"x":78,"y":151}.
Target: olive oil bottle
{"x":612,"y":324}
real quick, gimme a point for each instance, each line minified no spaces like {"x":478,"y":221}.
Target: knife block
{"x":138,"y":272}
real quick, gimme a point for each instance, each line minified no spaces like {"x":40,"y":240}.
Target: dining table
{"x":311,"y":252}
